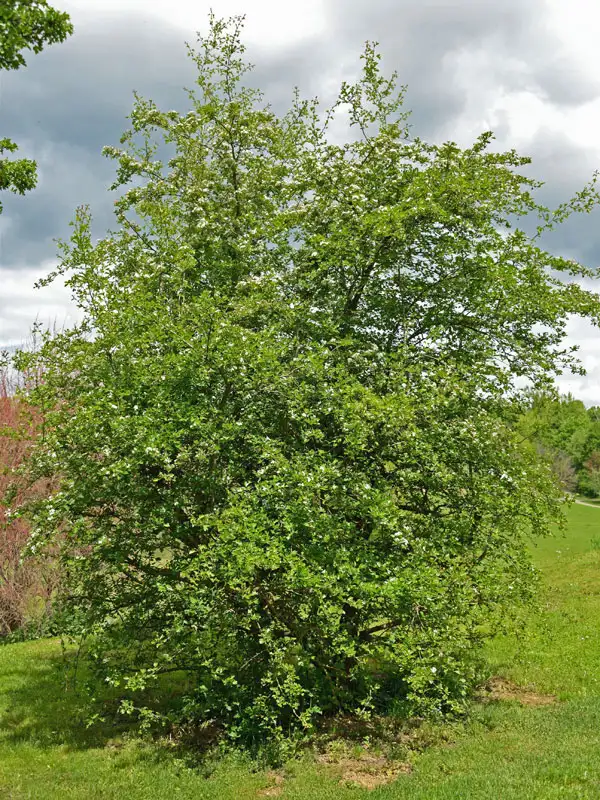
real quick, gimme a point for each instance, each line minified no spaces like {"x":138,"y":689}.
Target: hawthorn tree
{"x":25,"y":25}
{"x":284,"y":431}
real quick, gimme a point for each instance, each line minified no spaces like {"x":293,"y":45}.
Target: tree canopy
{"x":25,"y":25}
{"x":285,"y":429}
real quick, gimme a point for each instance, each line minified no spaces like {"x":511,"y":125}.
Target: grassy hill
{"x":535,"y":734}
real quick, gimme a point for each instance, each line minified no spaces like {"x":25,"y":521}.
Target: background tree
{"x":25,"y":25}
{"x":27,"y":585}
{"x":563,"y":469}
{"x":561,"y":423}
{"x":568,"y":436}
{"x":285,"y":428}
{"x":589,"y":482}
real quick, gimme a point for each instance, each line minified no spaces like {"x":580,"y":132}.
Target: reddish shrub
{"x":26,"y":585}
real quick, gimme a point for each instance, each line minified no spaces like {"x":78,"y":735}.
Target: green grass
{"x":505,"y":751}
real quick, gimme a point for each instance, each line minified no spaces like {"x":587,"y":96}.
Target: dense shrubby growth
{"x":285,"y":429}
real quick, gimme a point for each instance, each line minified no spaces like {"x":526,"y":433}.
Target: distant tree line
{"x":568,"y":435}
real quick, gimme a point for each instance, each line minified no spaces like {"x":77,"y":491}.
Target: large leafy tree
{"x":285,"y":428}
{"x":25,"y":25}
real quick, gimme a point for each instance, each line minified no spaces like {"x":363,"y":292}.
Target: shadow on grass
{"x":42,"y":703}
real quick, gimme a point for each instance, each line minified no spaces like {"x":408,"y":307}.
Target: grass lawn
{"x":540,"y":740}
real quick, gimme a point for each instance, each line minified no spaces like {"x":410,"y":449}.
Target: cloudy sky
{"x":527,"y":69}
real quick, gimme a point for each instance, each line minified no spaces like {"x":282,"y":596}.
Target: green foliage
{"x":284,"y":431}
{"x":29,"y":25}
{"x":18,"y":176}
{"x":25,"y":25}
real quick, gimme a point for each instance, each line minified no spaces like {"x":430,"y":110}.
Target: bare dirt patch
{"x":366,"y":771}
{"x":502,"y":689}
{"x":276,"y":787}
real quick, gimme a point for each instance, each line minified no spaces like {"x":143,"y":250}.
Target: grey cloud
{"x":74,"y":98}
{"x":68,"y":177}
{"x":71,"y":101}
{"x":562,"y":83}
{"x":80,"y":92}
{"x":565,"y":169}
{"x":422,"y":39}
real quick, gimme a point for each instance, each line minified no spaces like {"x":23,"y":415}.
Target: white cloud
{"x":500,"y":94}
{"x":584,"y":387}
{"x":578,"y":25}
{"x":270,"y":23}
{"x":21,"y":304}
